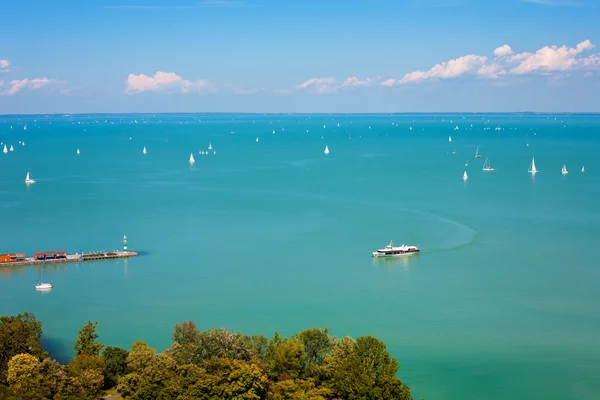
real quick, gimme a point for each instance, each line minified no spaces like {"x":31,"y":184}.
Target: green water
{"x":276,"y":236}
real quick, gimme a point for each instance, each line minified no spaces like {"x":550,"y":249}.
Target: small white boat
{"x":43,"y":286}
{"x":395,"y":251}
{"x":466,"y":163}
{"x":564,"y":169}
{"x":326,"y":151}
{"x":12,"y":148}
{"x":450,"y":138}
{"x":78,"y":152}
{"x":257,"y":139}
{"x":28,"y":179}
{"x":532,"y":168}
{"x":465,"y":176}
{"x":5,"y":149}
{"x":486,"y":166}
{"x":210,"y":146}
{"x":477,"y":155}
{"x":25,"y":128}
{"x":453,"y":151}
{"x":582,"y":168}
{"x":192,"y":161}
{"x":145,"y":151}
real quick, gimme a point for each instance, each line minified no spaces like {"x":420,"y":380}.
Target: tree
{"x":19,"y":335}
{"x":235,"y":379}
{"x":30,"y":378}
{"x":317,"y":345}
{"x":140,"y":356}
{"x":86,"y":341}
{"x":365,"y":370}
{"x":221,"y":343}
{"x":115,"y":360}
{"x":186,"y":334}
{"x":285,"y":358}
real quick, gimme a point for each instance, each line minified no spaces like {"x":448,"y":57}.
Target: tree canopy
{"x":212,"y":364}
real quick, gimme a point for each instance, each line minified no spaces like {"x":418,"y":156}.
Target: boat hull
{"x":391,"y":255}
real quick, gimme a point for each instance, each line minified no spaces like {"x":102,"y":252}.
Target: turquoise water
{"x":276,"y":236}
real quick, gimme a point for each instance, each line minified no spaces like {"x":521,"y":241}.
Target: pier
{"x":96,"y":256}
{"x":61,"y":256}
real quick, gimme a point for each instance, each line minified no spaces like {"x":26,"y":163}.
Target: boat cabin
{"x":12,"y":257}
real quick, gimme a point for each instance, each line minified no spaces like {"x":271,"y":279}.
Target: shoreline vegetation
{"x":213,"y":364}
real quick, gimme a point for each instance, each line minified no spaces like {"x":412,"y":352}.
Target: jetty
{"x":61,"y":256}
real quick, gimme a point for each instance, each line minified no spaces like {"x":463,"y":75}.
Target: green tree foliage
{"x":115,"y":360}
{"x":86,"y":341}
{"x":285,"y":358}
{"x":30,"y":378}
{"x":317,"y":345}
{"x":210,"y":365}
{"x":365,"y":370}
{"x":19,"y":335}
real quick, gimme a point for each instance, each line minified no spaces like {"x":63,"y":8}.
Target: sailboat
{"x":5,"y":149}
{"x":486,"y":165}
{"x":192,"y":161}
{"x":466,"y":163}
{"x":453,"y":151}
{"x":450,"y":138}
{"x":28,"y":179}
{"x":257,"y":139}
{"x":144,"y":151}
{"x":564,"y":169}
{"x":465,"y":176}
{"x":477,"y":155}
{"x":326,"y":151}
{"x":41,"y":285}
{"x":582,"y":168}
{"x":532,"y":168}
{"x":78,"y":152}
{"x":12,"y":148}
{"x":209,"y":146}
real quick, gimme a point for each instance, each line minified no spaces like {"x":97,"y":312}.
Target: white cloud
{"x":446,"y":70}
{"x":318,"y":85}
{"x":353,"y":81}
{"x":502,"y":51}
{"x":548,"y":58}
{"x":17,"y":85}
{"x":4,"y":65}
{"x":162,"y":82}
{"x":545,"y":60}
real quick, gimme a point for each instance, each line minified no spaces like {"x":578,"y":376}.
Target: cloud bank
{"x":17,"y":85}
{"x":545,"y":60}
{"x":163,"y":82}
{"x":4,"y":65}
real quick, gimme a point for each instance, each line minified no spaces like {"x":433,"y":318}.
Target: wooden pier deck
{"x":96,"y":256}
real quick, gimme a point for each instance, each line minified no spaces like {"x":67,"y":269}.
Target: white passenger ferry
{"x":395,"y":251}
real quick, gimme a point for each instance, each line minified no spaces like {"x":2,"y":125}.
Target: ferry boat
{"x":395,"y":251}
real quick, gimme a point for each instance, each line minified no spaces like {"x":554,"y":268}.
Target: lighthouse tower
{"x":125,"y":243}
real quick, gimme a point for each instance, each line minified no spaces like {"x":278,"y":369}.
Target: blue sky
{"x":70,"y":56}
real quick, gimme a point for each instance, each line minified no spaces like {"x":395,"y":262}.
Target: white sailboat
{"x":192,"y":161}
{"x":564,"y":169}
{"x":5,"y":149}
{"x":12,"y":148}
{"x":41,"y":285}
{"x":486,"y":165}
{"x":145,"y":151}
{"x":477,"y":155}
{"x":450,"y":138}
{"x":326,"y":151}
{"x":210,"y":146}
{"x":582,"y":168}
{"x":28,"y":179}
{"x":78,"y":152}
{"x":465,"y":176}
{"x":257,"y":139}
{"x":532,"y":169}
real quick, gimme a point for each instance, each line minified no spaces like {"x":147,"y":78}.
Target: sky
{"x":101,"y":56}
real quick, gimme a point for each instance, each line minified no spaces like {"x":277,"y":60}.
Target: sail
{"x":449,"y":138}
{"x":256,"y":139}
{"x":192,"y":158}
{"x":144,"y":151}
{"x":532,"y":168}
{"x":27,"y":177}
{"x":564,"y":169}
{"x":5,"y":149}
{"x":465,"y":176}
{"x":326,"y":150}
